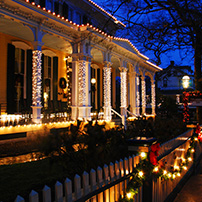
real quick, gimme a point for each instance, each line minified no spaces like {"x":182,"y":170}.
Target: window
{"x":78,"y":18}
{"x":165,"y":83}
{"x":56,"y":5}
{"x":70,"y":14}
{"x":49,"y":5}
{"x":85,"y":19}
{"x":65,"y":11}
{"x":47,"y":80}
{"x":19,"y":77}
{"x":42,"y":3}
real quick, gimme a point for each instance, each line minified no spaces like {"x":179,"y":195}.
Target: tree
{"x":164,"y":25}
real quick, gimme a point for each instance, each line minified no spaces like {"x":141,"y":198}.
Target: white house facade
{"x":63,"y":54}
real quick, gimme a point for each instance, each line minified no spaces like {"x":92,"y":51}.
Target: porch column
{"x":143,"y":96}
{"x":133,"y":89}
{"x":107,"y":90}
{"x":153,"y":96}
{"x":123,"y":74}
{"x":81,"y":89}
{"x":36,"y":82}
{"x":137,"y":95}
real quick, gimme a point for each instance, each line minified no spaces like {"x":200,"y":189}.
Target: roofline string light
{"x":97,"y":29}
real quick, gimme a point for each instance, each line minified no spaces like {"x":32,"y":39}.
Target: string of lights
{"x":82,"y":82}
{"x":153,"y":94}
{"x":123,"y":75}
{"x":107,"y":86}
{"x":36,"y":78}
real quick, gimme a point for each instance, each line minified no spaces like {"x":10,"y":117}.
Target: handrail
{"x":130,"y":113}
{"x":123,"y":117}
{"x":116,"y":113}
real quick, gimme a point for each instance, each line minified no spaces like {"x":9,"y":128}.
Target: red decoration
{"x":154,"y":153}
{"x":198,"y":129}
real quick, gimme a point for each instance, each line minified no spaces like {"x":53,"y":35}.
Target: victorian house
{"x":64,"y":55}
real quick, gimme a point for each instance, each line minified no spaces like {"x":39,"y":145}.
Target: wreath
{"x":63,"y":83}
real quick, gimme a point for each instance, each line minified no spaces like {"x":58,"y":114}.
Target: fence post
{"x":100,"y":183}
{"x":58,"y":192}
{"x":106,"y":179}
{"x":33,"y":196}
{"x":46,"y":194}
{"x":111,"y":171}
{"x":99,"y":176}
{"x":130,"y":164}
{"x":117,"y":170}
{"x":19,"y":199}
{"x":85,"y":182}
{"x":126,"y":169}
{"x":93,"y":183}
{"x":117,"y":186}
{"x":93,"y":179}
{"x":68,"y":190}
{"x":77,"y":186}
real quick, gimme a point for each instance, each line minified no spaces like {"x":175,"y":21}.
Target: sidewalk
{"x":192,"y":190}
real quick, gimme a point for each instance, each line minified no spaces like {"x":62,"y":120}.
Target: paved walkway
{"x":192,"y":190}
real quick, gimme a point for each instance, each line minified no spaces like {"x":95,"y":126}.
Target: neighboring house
{"x":170,"y":80}
{"x":51,"y":50}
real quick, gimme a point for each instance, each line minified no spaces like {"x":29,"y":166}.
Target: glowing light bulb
{"x":143,"y":155}
{"x":141,"y":174}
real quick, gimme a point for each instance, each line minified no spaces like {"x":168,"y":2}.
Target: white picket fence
{"x":90,"y":182}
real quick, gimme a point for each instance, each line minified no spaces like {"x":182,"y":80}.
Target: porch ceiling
{"x":15,"y":29}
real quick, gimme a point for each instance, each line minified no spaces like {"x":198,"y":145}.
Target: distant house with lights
{"x":50,"y":52}
{"x":170,"y":80}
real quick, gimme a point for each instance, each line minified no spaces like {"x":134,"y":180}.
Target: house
{"x":52,"y":49}
{"x":170,"y":80}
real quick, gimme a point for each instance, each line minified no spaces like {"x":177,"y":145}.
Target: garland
{"x":149,"y":168}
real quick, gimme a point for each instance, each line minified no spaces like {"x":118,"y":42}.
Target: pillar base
{"x":81,"y":113}
{"x":107,"y":113}
{"x":36,"y":114}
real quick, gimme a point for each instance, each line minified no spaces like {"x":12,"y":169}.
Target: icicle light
{"x":123,"y":87}
{"x":82,"y":82}
{"x":36,"y":78}
{"x":107,"y":86}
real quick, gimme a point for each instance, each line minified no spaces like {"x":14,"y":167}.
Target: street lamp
{"x":93,"y":82}
{"x":185,"y":81}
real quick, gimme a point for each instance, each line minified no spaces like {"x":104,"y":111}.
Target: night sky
{"x":173,"y":55}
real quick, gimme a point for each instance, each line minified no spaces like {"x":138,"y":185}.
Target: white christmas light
{"x":123,"y":87}
{"x":82,"y":82}
{"x":36,"y":78}
{"x":153,"y":97}
{"x":137,"y":92}
{"x":107,"y":86}
{"x":143,"y":95}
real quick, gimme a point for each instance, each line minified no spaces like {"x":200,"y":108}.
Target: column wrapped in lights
{"x":36,"y":78}
{"x":107,"y":91}
{"x":68,"y":85}
{"x":153,"y":94}
{"x":82,"y":82}
{"x":138,"y":95}
{"x":123,"y":75}
{"x":143,"y":96}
